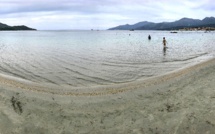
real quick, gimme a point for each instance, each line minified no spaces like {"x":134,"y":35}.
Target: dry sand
{"x":176,"y":103}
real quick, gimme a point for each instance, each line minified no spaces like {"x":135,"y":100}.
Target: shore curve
{"x":178,"y":102}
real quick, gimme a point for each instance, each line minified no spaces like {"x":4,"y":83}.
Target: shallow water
{"x":88,"y":58}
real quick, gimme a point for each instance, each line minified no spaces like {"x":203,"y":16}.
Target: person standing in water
{"x":149,"y":37}
{"x":164,"y":42}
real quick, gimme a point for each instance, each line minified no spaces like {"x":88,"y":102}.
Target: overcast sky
{"x":99,"y":14}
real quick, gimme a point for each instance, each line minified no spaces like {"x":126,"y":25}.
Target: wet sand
{"x":179,"y":102}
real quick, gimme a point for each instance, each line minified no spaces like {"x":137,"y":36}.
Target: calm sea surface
{"x":89,"y":58}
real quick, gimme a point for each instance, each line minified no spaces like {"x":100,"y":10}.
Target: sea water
{"x":91,"y":58}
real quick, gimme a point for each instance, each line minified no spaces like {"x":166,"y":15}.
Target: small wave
{"x":187,"y":58}
{"x":87,"y":77}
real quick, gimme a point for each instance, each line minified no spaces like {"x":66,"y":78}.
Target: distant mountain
{"x":209,"y":20}
{"x":130,"y":27}
{"x":182,"y":23}
{"x":5,"y":27}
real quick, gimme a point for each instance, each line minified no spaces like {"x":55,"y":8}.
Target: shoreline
{"x":8,"y":81}
{"x":179,"y":102}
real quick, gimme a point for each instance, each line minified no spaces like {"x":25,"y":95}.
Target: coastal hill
{"x":176,"y":25}
{"x":5,"y":27}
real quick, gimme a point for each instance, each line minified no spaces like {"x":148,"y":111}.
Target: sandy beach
{"x":179,"y":102}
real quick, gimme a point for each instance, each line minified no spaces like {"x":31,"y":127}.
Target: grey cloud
{"x":81,"y":6}
{"x":210,"y":7}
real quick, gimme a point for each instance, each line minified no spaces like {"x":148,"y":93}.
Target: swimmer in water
{"x":149,"y":37}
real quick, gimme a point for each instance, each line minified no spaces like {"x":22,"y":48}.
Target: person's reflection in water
{"x":164,"y":51}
